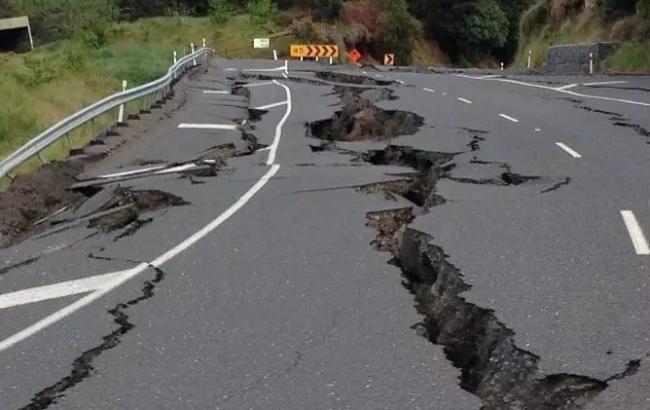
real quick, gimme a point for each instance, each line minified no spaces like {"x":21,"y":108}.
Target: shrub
{"x":643,"y":9}
{"x":220,"y":10}
{"x":261,"y":11}
{"x":398,"y":30}
{"x":631,"y":29}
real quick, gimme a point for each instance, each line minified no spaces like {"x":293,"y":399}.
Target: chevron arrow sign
{"x":314,"y":50}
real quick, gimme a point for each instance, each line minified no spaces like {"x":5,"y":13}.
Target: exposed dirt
{"x":492,"y":367}
{"x":35,"y":196}
{"x":351,"y":79}
{"x":361,"y":120}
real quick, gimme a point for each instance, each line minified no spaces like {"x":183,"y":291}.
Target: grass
{"x":55,"y":80}
{"x":585,"y":27}
{"x":630,"y":58}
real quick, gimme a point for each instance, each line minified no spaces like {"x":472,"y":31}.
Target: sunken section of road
{"x":492,"y":366}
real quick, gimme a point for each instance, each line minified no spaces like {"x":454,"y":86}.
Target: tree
{"x":261,"y":11}
{"x":220,"y":10}
{"x":485,"y":28}
{"x":327,"y":9}
{"x":397,"y":30}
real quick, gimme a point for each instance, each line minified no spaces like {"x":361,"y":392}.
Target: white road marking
{"x":636,"y":233}
{"x":230,"y":69}
{"x":269,"y":106}
{"x":485,"y":77}
{"x":571,"y":152}
{"x":509,"y":118}
{"x":264,"y":149}
{"x":216,"y":92}
{"x":538,"y":130}
{"x":464,"y":100}
{"x":605,"y":83}
{"x":278,"y":128}
{"x":285,"y":75}
{"x":133,"y":172}
{"x":429,"y":90}
{"x":400,"y":82}
{"x":566,"y":87}
{"x":180,"y":168}
{"x":251,"y":85}
{"x":444,"y":93}
{"x":57,"y":290}
{"x":125,"y":276}
{"x":544,"y":87}
{"x":266,"y":70}
{"x":230,"y":127}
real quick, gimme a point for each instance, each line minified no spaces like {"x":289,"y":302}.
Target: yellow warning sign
{"x":314,"y":50}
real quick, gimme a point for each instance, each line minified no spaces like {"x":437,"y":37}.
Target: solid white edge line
{"x":636,"y":233}
{"x":464,"y":100}
{"x":595,"y":97}
{"x":216,"y":92}
{"x":278,"y":128}
{"x":131,"y":273}
{"x":605,"y":83}
{"x":269,"y":106}
{"x":266,"y":70}
{"x":230,"y":127}
{"x":570,"y":151}
{"x":509,"y":118}
{"x":429,"y":90}
{"x":57,"y":290}
{"x":180,"y":168}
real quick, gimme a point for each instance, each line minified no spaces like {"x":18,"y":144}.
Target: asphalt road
{"x":258,"y":287}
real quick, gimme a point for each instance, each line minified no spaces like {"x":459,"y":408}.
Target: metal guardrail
{"x":67,"y":125}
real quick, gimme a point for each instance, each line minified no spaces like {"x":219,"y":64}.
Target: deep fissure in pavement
{"x":82,"y":367}
{"x":493,"y":368}
{"x":360,"y":119}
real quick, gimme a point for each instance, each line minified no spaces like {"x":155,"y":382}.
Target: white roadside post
{"x":591,"y":63}
{"x":120,"y":115}
{"x":192,"y":48}
{"x":501,"y":66}
{"x":302,"y":58}
{"x":275,"y":55}
{"x":530,"y":56}
{"x":331,"y":60}
{"x":175,"y":58}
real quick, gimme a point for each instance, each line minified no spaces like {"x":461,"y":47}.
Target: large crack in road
{"x":493,"y":367}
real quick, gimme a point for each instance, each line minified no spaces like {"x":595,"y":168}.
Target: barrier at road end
{"x":314,"y":51}
{"x":389,"y":59}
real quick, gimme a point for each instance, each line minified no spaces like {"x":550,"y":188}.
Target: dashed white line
{"x":400,"y":82}
{"x":57,"y":290}
{"x":464,"y":100}
{"x":639,"y":240}
{"x":444,"y":93}
{"x":566,"y":87}
{"x":251,"y":85}
{"x":429,"y":90}
{"x":509,"y":118}
{"x":605,"y":83}
{"x":230,"y":127}
{"x":133,"y":172}
{"x":566,"y":148}
{"x":269,"y":106}
{"x":216,"y":92}
{"x":180,"y":168}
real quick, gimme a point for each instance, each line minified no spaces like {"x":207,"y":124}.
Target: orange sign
{"x":354,"y":55}
{"x":389,"y":59}
{"x":314,"y":50}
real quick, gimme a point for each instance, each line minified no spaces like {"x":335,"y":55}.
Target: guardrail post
{"x":38,"y":154}
{"x":120,"y":115}
{"x":193,"y":61}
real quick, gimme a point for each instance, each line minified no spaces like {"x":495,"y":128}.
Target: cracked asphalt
{"x":222,"y":257}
